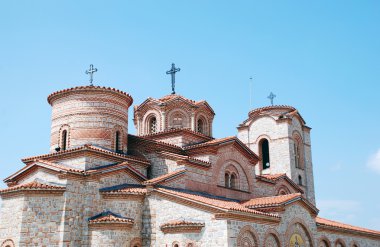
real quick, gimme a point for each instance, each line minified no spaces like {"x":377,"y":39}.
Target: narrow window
{"x":152,"y":125}
{"x":200,"y":126}
{"x":233,"y":181}
{"x":296,"y":154}
{"x":299,"y":180}
{"x":117,"y":142}
{"x":64,"y":140}
{"x":226,"y":180}
{"x":265,"y":153}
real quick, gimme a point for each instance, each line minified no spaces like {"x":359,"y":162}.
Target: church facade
{"x":172,"y":184}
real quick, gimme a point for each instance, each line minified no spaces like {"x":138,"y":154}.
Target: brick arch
{"x":283,"y":190}
{"x":122,"y":137}
{"x":290,"y":231}
{"x":339,"y":241}
{"x":8,"y":243}
{"x":247,"y":235}
{"x":298,"y":141}
{"x":186,"y":117}
{"x":68,"y":133}
{"x":145,"y":121}
{"x":175,"y":243}
{"x":233,"y":166}
{"x":206,"y":123}
{"x":271,"y":233}
{"x":136,"y":242}
{"x":325,"y":240}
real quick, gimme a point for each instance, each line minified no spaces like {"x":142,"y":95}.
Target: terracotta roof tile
{"x":84,"y":148}
{"x":117,"y":166}
{"x":182,"y":223}
{"x":125,"y":189}
{"x":61,"y":167}
{"x":211,"y":200}
{"x":109,"y":217}
{"x":212,"y":142}
{"x":34,"y":185}
{"x":270,"y":201}
{"x":192,"y":160}
{"x":165,"y":177}
{"x":334,"y":224}
{"x":85,"y":88}
{"x":273,"y":177}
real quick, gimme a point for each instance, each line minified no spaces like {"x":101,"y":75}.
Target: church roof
{"x":273,"y":178}
{"x":61,"y":168}
{"x":184,"y":159}
{"x":334,"y":225}
{"x":83,"y":89}
{"x":270,"y":201}
{"x":165,"y":177}
{"x":246,"y":151}
{"x":88,"y":148}
{"x":125,"y":189}
{"x":109,"y":217}
{"x":278,"y":201}
{"x":278,"y":111}
{"x":181,"y":226}
{"x":221,"y":203}
{"x":33,"y":186}
{"x":174,"y":98}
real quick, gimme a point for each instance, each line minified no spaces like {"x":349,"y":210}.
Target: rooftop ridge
{"x":84,"y":88}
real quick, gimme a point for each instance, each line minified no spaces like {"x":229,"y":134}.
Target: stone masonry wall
{"x":11,"y":219}
{"x":155,"y":214}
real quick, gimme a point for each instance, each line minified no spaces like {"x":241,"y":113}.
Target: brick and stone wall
{"x":89,"y":115}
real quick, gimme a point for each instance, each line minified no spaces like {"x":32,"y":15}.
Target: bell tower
{"x":280,"y":136}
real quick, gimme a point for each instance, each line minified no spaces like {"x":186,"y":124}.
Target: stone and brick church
{"x":172,"y":184}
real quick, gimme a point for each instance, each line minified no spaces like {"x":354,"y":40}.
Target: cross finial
{"x":91,"y":71}
{"x":271,"y":97}
{"x":172,"y":72}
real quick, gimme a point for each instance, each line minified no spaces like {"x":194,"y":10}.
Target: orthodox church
{"x":172,"y":184}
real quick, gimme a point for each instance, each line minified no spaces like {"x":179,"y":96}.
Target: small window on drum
{"x":200,"y":126}
{"x":152,"y":127}
{"x":118,"y":148}
{"x":64,"y":140}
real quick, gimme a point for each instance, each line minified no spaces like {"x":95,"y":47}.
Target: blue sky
{"x":322,"y":57}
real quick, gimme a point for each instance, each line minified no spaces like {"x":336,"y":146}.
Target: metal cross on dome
{"x":172,"y":72}
{"x":271,"y":97}
{"x":91,"y":71}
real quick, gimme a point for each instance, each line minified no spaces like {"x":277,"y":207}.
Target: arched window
{"x":300,"y":180}
{"x":152,"y":125}
{"x":175,"y":244}
{"x":8,"y":243}
{"x":296,"y":154}
{"x":117,"y":142}
{"x":177,"y":121}
{"x":233,"y":181}
{"x":64,"y":140}
{"x":200,"y":126}
{"x":264,"y":151}
{"x":227,"y":180}
{"x":298,"y":151}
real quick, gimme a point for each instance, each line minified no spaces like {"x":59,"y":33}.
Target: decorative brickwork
{"x":167,"y":186}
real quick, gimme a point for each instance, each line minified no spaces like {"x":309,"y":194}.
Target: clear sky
{"x":323,"y":57}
